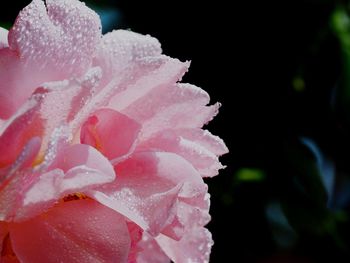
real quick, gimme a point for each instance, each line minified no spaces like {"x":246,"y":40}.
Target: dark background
{"x":281,"y":70}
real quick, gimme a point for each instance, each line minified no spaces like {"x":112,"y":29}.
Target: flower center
{"x":74,"y":197}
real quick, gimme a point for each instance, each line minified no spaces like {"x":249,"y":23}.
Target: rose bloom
{"x":102,"y":149}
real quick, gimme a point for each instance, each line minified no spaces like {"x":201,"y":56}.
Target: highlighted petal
{"x":46,"y":44}
{"x":203,"y":137}
{"x":63,"y":36}
{"x":121,"y":49}
{"x":205,"y":161}
{"x":169,"y":72}
{"x":169,"y":106}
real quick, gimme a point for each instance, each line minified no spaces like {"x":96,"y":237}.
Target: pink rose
{"x":102,"y":149}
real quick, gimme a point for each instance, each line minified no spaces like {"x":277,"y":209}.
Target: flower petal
{"x":75,"y":231}
{"x":120,"y":83}
{"x":46,"y":44}
{"x":136,"y":58}
{"x":168,"y":73}
{"x":81,"y":154}
{"x":24,"y":160}
{"x":121,"y":49}
{"x":18,"y":132}
{"x":81,"y":169}
{"x":32,"y":191}
{"x":3,"y":38}
{"x":111,"y":132}
{"x":172,"y":106}
{"x":203,"y":137}
{"x":150,"y":251}
{"x":63,"y":35}
{"x":135,"y":233}
{"x":148,"y":181}
{"x":167,"y":94}
{"x":195,"y":246}
{"x":51,"y":106}
{"x":205,"y":161}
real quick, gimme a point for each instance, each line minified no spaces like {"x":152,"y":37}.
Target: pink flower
{"x":102,"y":149}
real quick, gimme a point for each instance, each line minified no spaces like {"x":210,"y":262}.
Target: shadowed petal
{"x":112,"y":133}
{"x":75,"y":231}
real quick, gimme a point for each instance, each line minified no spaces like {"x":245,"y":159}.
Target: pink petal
{"x":85,"y":155}
{"x":121,"y":48}
{"x":169,"y":72}
{"x":47,"y":43}
{"x":3,"y":38}
{"x":61,"y":103}
{"x":50,"y":107}
{"x":63,"y":35}
{"x":9,"y":192}
{"x":26,"y":193}
{"x":172,"y":106}
{"x":75,"y":231}
{"x":140,"y":208}
{"x":135,"y":233}
{"x":195,"y":246}
{"x":175,"y":229}
{"x":180,"y":116}
{"x":132,"y":66}
{"x":167,"y":94}
{"x":188,"y":216}
{"x":11,"y":94}
{"x":18,"y":133}
{"x":111,"y":132}
{"x":121,"y":82}
{"x":151,"y":251}
{"x":135,"y":59}
{"x":148,"y":181}
{"x":63,"y":99}
{"x":192,"y":216}
{"x":16,"y":82}
{"x":203,"y":137}
{"x":83,"y":168}
{"x":25,"y":159}
{"x":205,"y":161}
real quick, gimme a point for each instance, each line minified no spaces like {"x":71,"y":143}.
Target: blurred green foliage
{"x":249,"y":174}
